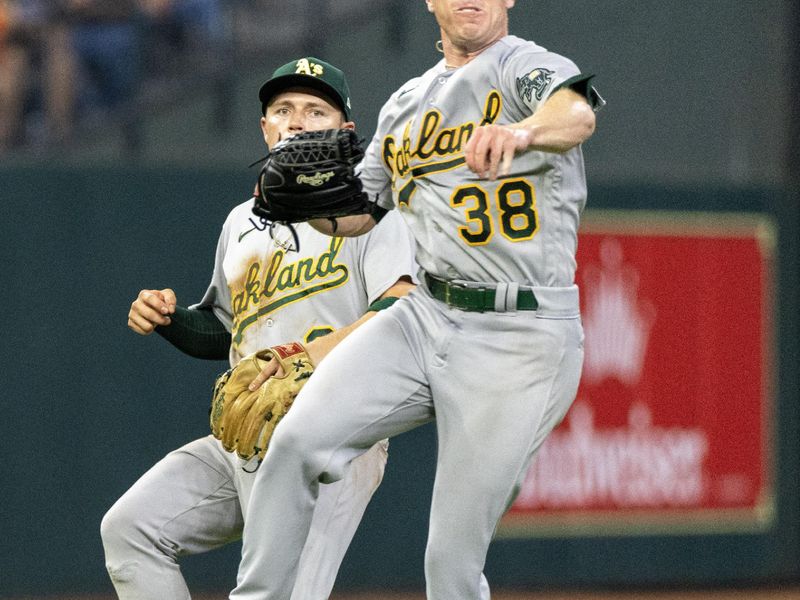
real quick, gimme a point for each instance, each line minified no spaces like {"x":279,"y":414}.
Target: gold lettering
{"x":388,"y":152}
{"x":435,"y":140}
{"x":287,"y":278}
{"x":305,"y":270}
{"x":430,"y":123}
{"x":250,"y":292}
{"x":270,"y":284}
{"x":445,"y":143}
{"x":281,"y":277}
{"x":466,"y":133}
{"x":491,"y":110}
{"x":307,"y":275}
{"x":325,"y":264}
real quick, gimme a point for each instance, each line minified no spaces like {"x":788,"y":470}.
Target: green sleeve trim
{"x":582,"y":84}
{"x":378,"y":212}
{"x":382,"y":303}
{"x":198,"y":333}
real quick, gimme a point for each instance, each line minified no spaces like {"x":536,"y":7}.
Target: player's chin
{"x":467,"y":34}
{"x":475,"y":35}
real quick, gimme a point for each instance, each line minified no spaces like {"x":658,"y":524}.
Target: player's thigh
{"x":370,"y":387}
{"x":186,"y":501}
{"x":493,"y":417}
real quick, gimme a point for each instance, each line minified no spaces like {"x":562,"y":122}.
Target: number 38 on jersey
{"x":515,"y":215}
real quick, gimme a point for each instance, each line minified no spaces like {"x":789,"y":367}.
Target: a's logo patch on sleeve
{"x":534,"y":83}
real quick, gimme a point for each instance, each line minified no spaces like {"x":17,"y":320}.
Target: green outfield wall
{"x":89,"y":405}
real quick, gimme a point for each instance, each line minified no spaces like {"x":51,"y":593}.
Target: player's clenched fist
{"x":491,"y":149}
{"x":151,"y":308}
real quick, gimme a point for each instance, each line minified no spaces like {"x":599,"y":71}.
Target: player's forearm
{"x":351,"y":226}
{"x":198,"y":333}
{"x":319,"y":348}
{"x":565,"y":121}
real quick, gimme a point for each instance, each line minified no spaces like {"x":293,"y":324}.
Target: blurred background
{"x":126,"y":128}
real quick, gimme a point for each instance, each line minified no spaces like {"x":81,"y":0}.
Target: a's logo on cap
{"x":306,"y":67}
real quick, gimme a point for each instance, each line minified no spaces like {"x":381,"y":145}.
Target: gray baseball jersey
{"x":526,"y":223}
{"x":497,"y":369}
{"x":197,"y":497}
{"x":266,"y":293}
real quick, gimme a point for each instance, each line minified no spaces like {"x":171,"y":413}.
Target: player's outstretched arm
{"x":198,"y":333}
{"x":150,"y":309}
{"x":320,"y":347}
{"x":564,"y":121}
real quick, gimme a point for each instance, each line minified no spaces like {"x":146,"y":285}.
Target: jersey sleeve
{"x":218,"y":295}
{"x":531,"y":75}
{"x":372,"y":171}
{"x":582,"y":84}
{"x":386,"y":255}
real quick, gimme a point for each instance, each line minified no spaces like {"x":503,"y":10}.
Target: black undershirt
{"x":198,"y":333}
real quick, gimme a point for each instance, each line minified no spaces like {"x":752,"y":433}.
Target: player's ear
{"x":430,"y":5}
{"x":510,"y":3}
{"x":348,"y":125}
{"x":264,"y":127}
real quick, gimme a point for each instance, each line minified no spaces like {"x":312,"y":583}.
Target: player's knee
{"x":435,"y":560}
{"x":340,"y":464}
{"x":439,"y":555}
{"x":112,"y":529}
{"x":294,"y":445}
{"x":119,"y":530}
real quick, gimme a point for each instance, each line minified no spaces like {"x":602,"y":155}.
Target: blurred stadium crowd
{"x":69,"y":68}
{"x":66,"y":65}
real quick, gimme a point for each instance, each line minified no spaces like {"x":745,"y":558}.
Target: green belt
{"x":476,"y":299}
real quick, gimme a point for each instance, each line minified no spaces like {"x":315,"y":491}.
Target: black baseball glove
{"x":311,"y":176}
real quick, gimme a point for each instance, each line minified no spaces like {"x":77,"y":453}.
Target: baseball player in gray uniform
{"x":481,"y":155}
{"x":263,"y":292}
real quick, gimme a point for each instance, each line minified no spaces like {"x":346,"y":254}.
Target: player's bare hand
{"x":491,"y":149}
{"x":150,"y":309}
{"x":272,"y":368}
{"x":316,"y":350}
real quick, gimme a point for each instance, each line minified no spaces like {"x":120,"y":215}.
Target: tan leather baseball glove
{"x":244,"y":420}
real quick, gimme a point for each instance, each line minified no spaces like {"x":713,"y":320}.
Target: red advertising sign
{"x":670,"y":431}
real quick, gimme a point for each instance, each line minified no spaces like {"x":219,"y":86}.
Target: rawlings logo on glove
{"x":312,"y":176}
{"x":316,"y":179}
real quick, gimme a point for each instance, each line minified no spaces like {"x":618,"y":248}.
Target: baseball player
{"x":263,"y":292}
{"x":481,"y":155}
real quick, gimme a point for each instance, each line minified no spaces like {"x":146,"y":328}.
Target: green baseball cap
{"x":312,"y":73}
